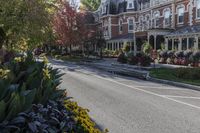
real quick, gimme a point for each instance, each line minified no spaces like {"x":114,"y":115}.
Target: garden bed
{"x":183,"y":75}
{"x":31,"y":100}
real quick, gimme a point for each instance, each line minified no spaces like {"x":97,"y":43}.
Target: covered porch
{"x":156,"y":37}
{"x":118,"y":42}
{"x":187,"y":38}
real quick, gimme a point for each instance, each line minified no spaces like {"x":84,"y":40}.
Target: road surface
{"x":129,"y":105}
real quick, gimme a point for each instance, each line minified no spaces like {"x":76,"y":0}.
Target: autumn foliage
{"x":70,"y":26}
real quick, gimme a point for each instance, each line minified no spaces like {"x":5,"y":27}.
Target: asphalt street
{"x":129,"y":105}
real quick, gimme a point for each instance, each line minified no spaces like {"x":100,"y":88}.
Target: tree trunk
{"x":101,"y":54}
{"x":70,"y":49}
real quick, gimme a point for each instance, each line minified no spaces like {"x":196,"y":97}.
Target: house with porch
{"x":173,"y":23}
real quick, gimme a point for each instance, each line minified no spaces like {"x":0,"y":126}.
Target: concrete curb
{"x":177,"y":84}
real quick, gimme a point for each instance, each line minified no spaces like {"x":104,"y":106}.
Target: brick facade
{"x":155,"y":17}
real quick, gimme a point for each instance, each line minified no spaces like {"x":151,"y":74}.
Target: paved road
{"x":129,"y":105}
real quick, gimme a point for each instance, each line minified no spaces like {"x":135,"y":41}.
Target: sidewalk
{"x":111,"y":65}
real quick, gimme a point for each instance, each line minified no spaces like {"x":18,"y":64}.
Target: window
{"x":167,"y":17}
{"x":130,"y":4}
{"x":130,"y":24}
{"x":156,"y":19}
{"x":104,"y":8}
{"x":120,"y":26}
{"x":198,"y":9}
{"x":180,"y":15}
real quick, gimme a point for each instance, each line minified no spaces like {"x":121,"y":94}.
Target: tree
{"x":91,"y":5}
{"x":26,"y":23}
{"x":65,"y":25}
{"x":70,"y":26}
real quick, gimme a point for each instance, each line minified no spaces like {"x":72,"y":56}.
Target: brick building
{"x":173,"y":23}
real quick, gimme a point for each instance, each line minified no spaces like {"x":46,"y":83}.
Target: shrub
{"x":169,"y":61}
{"x":145,"y":61}
{"x":170,"y":54}
{"x":147,"y":48}
{"x":187,"y":53}
{"x":122,"y":58}
{"x":126,"y":48}
{"x":25,"y":82}
{"x":196,"y":55}
{"x":133,"y":60}
{"x":179,"y":54}
{"x":53,"y":117}
{"x":163,"y":54}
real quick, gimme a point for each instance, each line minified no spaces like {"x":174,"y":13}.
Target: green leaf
{"x":2,"y":110}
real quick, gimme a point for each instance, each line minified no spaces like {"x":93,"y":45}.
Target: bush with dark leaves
{"x":52,"y":118}
{"x":179,"y":54}
{"x":163,"y":54}
{"x":122,"y":58}
{"x":170,"y":54}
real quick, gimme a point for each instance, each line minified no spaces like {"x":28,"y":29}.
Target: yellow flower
{"x":4,"y":73}
{"x":18,"y":59}
{"x":46,"y":73}
{"x":45,"y":60}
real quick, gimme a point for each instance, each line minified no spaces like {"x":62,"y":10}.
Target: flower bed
{"x":139,"y":59}
{"x":31,"y":101}
{"x":188,"y":57}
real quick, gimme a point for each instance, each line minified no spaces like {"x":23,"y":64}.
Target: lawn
{"x":183,"y":75}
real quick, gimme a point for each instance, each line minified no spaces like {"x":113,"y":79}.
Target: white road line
{"x":184,"y":97}
{"x":152,"y":93}
{"x":160,"y":87}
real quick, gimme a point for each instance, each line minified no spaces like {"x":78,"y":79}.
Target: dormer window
{"x":103,"y":8}
{"x":130,"y":4}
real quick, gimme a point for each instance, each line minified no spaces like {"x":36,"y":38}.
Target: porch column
{"x":118,"y":45}
{"x":180,"y":44}
{"x":187,"y":43}
{"x":135,"y":46}
{"x":196,"y":42}
{"x":155,"y":40}
{"x":166,"y":43}
{"x":173,"y":44}
{"x":112,"y":46}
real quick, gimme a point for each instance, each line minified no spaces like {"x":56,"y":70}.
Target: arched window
{"x":198,"y":8}
{"x":130,"y":24}
{"x":167,"y":17}
{"x":180,"y":14}
{"x":156,"y":19}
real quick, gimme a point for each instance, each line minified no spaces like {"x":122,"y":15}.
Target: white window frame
{"x":130,"y":2}
{"x":164,"y":15}
{"x":156,"y":16}
{"x":197,"y":8}
{"x":177,"y":11}
{"x":103,"y":8}
{"x":130,"y":30}
{"x":120,"y":26}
